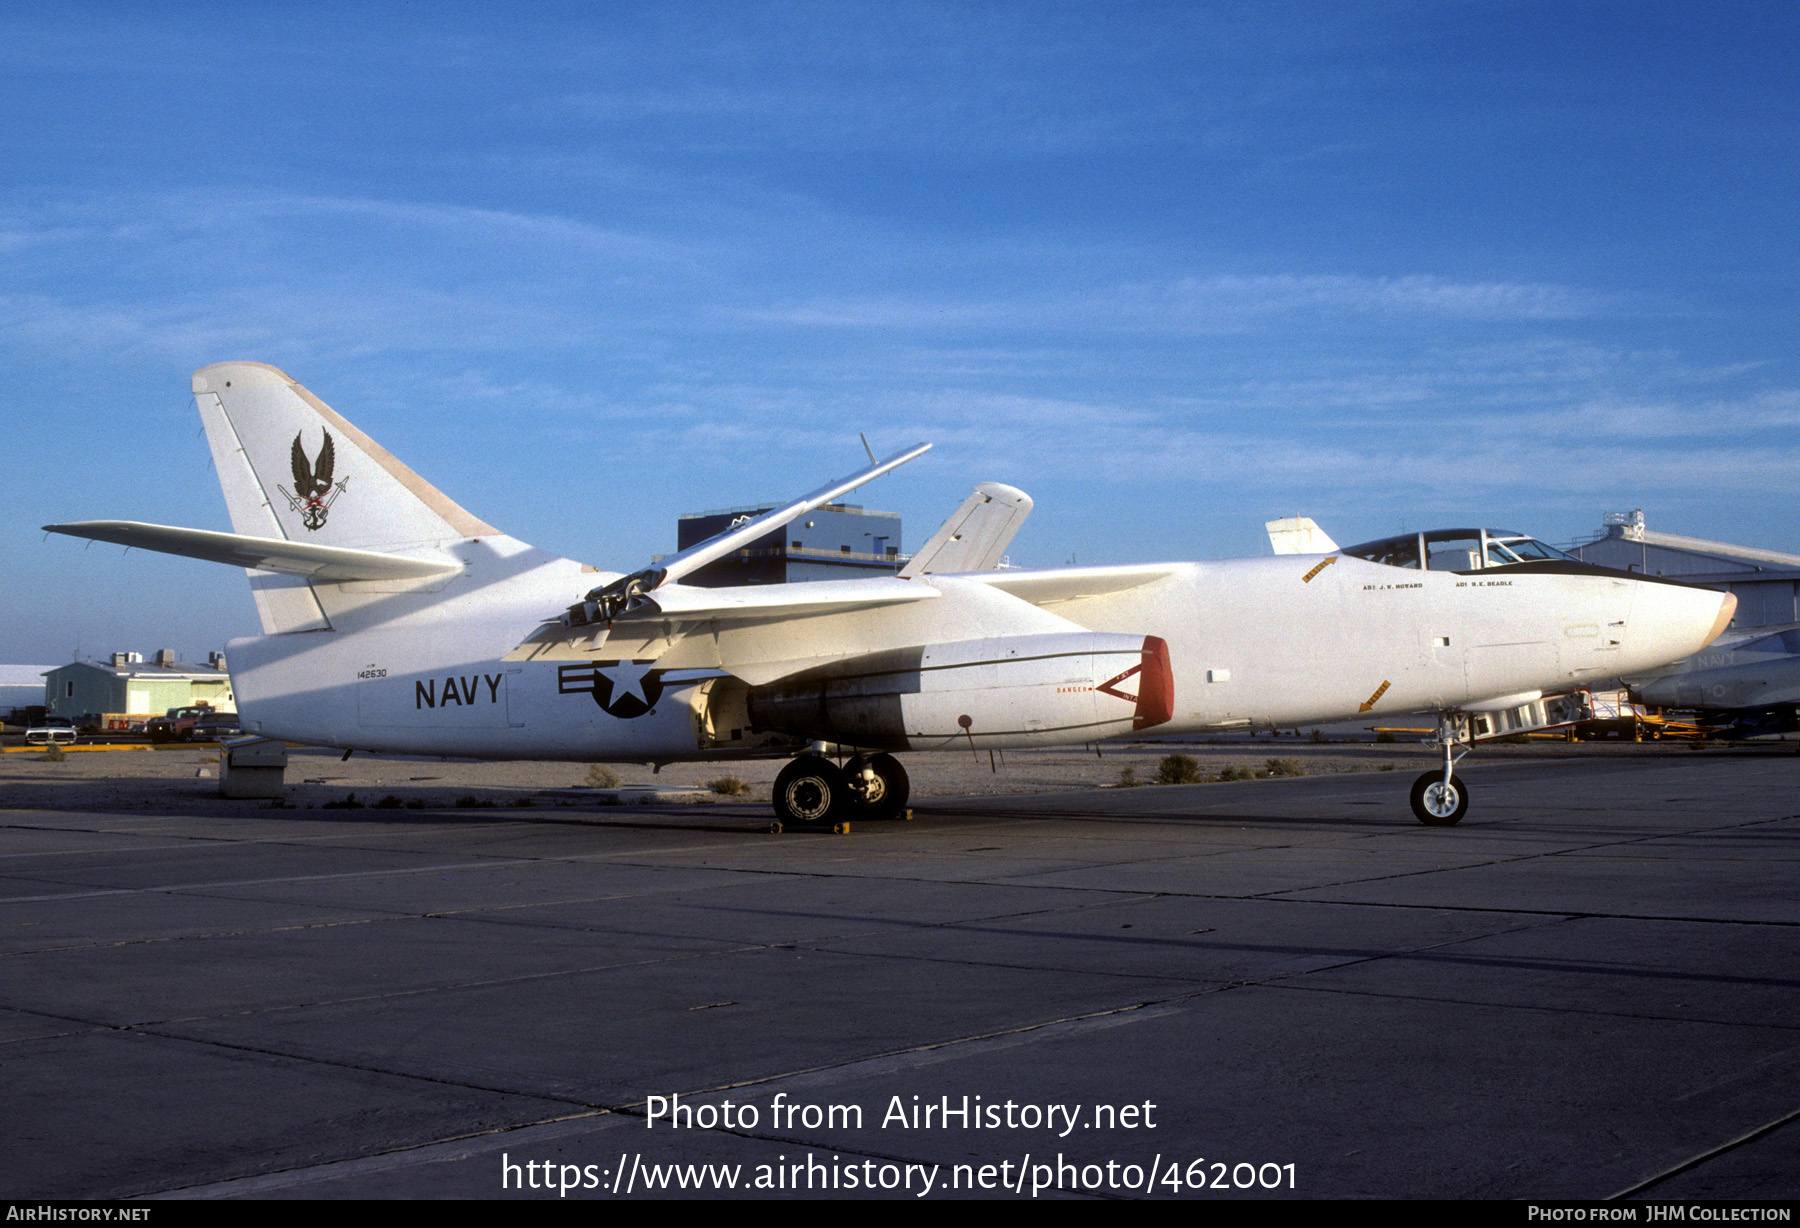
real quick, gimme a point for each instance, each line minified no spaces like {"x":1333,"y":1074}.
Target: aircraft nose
{"x":1727,"y":610}
{"x":1672,"y":621}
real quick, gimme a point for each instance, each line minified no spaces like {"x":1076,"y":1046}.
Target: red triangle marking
{"x":1106,"y":688}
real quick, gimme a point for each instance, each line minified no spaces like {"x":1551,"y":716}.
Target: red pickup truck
{"x":177,"y":724}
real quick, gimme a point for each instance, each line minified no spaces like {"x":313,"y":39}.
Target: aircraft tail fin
{"x":976,"y":535}
{"x":292,"y":468}
{"x":1298,"y":535}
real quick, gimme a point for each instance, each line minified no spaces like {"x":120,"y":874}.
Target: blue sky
{"x":1174,"y":270}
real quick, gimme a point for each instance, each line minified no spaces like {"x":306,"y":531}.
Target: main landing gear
{"x":1440,"y":799}
{"x":812,"y":791}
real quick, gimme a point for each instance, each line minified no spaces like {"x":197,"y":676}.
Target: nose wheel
{"x":1441,"y":798}
{"x":1440,"y":802}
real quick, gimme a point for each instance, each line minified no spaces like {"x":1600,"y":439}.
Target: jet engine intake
{"x":1022,"y":690}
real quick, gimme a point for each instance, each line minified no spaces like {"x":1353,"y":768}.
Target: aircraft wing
{"x":1043,"y":588}
{"x":326,"y":563}
{"x":627,"y":592}
{"x":774,"y":602}
{"x":697,"y":556}
{"x":735,"y":608}
{"x":977,"y":533}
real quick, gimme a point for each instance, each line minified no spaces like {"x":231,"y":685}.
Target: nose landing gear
{"x":1440,"y":799}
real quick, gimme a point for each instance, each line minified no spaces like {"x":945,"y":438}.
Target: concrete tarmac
{"x":1277,"y":988}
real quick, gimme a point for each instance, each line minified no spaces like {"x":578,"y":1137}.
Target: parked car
{"x":215,"y":725}
{"x":52,"y":730}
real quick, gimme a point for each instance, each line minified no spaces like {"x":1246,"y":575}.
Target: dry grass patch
{"x":729,"y":786}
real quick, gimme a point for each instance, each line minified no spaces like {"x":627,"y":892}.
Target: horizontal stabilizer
{"x":976,"y":535}
{"x":315,"y":562}
{"x":1298,"y":535}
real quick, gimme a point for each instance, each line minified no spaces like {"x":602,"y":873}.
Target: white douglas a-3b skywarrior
{"x":393,"y":620}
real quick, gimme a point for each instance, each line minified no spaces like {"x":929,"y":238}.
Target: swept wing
{"x":626,"y":592}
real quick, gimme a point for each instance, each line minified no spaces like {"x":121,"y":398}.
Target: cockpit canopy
{"x":1457,"y":550}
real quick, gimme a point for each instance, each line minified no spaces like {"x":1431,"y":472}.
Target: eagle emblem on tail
{"x":313,"y":493}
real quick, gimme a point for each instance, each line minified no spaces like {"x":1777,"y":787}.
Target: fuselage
{"x":1288,"y":640}
{"x":1300,"y":639}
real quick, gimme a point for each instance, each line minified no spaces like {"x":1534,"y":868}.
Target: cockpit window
{"x":1456,"y":550}
{"x":1456,"y":553}
{"x":1389,"y":551}
{"x":1519,"y":549}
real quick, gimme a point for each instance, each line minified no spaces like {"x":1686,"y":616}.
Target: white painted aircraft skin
{"x":1284,"y":653}
{"x":464,"y":641}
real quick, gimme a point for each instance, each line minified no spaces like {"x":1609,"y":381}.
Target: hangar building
{"x":21,"y":688}
{"x":1767,"y":582}
{"x":839,"y":541}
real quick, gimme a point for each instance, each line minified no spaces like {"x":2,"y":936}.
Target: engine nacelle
{"x":1020,"y":690}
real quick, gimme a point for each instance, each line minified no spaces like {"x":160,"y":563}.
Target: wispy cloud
{"x":591,"y":265}
{"x":1409,"y":295}
{"x":1206,"y":304}
{"x":648,"y":337}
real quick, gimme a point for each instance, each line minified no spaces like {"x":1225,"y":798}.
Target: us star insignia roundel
{"x":624,"y":689}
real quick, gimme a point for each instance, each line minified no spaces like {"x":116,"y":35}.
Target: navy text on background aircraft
{"x":1746,"y":686}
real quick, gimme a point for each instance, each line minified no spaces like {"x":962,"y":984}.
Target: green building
{"x":127,"y":689}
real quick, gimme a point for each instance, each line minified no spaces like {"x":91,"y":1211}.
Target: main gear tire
{"x":881,"y":794}
{"x":810,"y":792}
